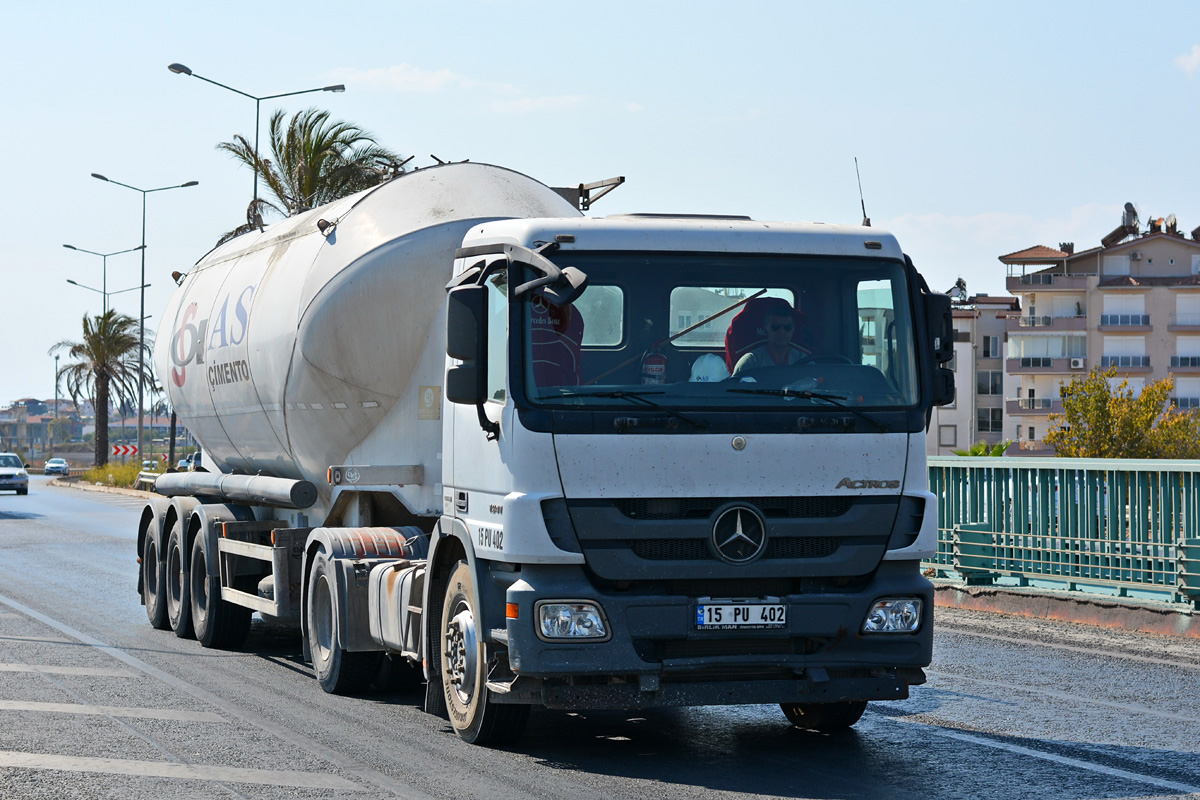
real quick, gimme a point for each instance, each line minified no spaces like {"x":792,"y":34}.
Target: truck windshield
{"x":722,"y":332}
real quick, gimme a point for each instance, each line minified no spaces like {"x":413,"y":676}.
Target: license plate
{"x":740,"y":616}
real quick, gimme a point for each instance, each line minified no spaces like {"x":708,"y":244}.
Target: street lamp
{"x":180,"y":69}
{"x":105,"y":257}
{"x":142,"y":312}
{"x":50,"y":434}
{"x":108,"y":294}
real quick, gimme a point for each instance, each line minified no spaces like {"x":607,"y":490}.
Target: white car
{"x":13,"y":475}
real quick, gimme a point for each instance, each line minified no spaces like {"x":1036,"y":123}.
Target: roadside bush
{"x":113,"y":474}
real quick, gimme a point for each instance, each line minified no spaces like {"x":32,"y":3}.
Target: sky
{"x":979,"y":128}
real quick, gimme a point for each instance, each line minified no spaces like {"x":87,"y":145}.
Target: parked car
{"x":57,"y":466}
{"x":14,"y":476}
{"x":184,"y":465}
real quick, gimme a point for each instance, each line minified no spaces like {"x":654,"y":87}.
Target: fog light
{"x":571,"y":621}
{"x":893,"y":616}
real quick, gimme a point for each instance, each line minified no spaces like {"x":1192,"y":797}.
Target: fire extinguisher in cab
{"x":654,"y":367}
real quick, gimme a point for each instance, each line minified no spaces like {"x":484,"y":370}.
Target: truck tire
{"x":475,"y":717}
{"x":179,"y":610}
{"x":338,"y":671}
{"x":217,"y":623}
{"x":154,"y":580}
{"x":824,"y":717}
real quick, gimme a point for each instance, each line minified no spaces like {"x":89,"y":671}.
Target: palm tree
{"x":315,"y":160}
{"x":103,"y":364}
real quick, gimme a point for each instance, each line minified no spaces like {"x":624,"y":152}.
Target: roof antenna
{"x":866,"y":220}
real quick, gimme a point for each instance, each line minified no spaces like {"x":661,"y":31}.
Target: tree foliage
{"x":983,"y":449}
{"x":103,"y":367}
{"x":1103,"y":421}
{"x":314,"y":160}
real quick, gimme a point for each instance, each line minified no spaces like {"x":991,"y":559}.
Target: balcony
{"x":1184,"y":322}
{"x":1186,"y":402}
{"x":1185,"y":364}
{"x":1075,"y":322}
{"x":1124,"y":322}
{"x":1127,"y":363}
{"x":1044,"y":282}
{"x":1027,"y":406}
{"x":1043,"y":365}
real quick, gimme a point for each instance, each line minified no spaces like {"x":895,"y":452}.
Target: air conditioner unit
{"x":1136,"y":255}
{"x":1076,"y":363}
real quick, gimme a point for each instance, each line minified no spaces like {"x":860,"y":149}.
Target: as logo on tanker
{"x":194,"y":339}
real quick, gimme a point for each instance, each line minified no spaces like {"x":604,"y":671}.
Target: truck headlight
{"x":571,"y":620}
{"x":893,"y":616}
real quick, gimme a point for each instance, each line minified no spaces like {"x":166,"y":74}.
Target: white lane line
{"x":1017,"y":749}
{"x":1073,"y":698}
{"x":387,"y":783}
{"x":1071,"y":648}
{"x":112,"y":711}
{"x":165,"y":769}
{"x":50,"y":669}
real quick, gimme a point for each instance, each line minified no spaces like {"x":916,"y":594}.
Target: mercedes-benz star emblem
{"x":739,"y":534}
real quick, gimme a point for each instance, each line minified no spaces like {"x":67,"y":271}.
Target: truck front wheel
{"x":824,"y":717}
{"x":473,"y":714}
{"x":338,"y":671}
{"x":218,"y":623}
{"x":179,"y":612}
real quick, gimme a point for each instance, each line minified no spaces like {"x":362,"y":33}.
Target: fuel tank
{"x":321,"y":340}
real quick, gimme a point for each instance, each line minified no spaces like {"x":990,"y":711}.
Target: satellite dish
{"x":1130,"y":218}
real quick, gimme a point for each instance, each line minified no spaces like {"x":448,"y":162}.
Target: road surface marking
{"x":112,"y":711}
{"x":1074,"y":698}
{"x":1017,"y":749}
{"x":166,"y":769}
{"x":392,"y":786}
{"x":1073,"y":648}
{"x":48,"y":669}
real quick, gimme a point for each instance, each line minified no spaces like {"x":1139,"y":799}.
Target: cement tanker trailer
{"x":461,"y":433}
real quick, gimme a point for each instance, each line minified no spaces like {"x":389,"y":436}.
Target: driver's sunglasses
{"x":780,"y":326}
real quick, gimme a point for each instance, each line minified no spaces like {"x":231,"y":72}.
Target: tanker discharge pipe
{"x":258,"y":489}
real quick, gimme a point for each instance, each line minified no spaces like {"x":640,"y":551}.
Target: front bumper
{"x":655,"y":656}
{"x":13,"y":484}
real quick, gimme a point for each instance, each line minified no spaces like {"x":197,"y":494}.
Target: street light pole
{"x":105,"y":257}
{"x":50,"y":433}
{"x":180,"y":69}
{"x":142,"y":313}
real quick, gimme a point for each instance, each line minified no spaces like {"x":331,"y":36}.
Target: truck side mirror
{"x":466,"y":340}
{"x":939,"y":322}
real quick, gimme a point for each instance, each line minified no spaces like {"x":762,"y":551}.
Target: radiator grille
{"x":661,"y":508}
{"x":696,"y":549}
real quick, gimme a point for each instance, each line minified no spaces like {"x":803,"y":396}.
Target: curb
{"x":1103,"y":612}
{"x":95,"y":487}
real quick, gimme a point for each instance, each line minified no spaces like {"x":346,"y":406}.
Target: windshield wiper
{"x":638,"y":396}
{"x":807,"y":394}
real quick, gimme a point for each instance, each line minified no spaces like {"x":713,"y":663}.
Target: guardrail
{"x":145,"y":480}
{"x":1121,"y":527}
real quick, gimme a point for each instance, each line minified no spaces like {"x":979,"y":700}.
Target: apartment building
{"x":1132,"y":303}
{"x":977,"y":413}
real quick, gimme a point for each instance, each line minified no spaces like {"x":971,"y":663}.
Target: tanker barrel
{"x":259,"y":489}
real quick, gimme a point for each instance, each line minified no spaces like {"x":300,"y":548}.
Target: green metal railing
{"x":1118,"y":526}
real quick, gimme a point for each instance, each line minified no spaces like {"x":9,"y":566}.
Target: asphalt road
{"x":96,"y":704}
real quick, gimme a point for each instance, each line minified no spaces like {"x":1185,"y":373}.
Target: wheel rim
{"x":175,"y":574}
{"x":461,"y":653}
{"x":322,"y":621}
{"x":199,"y":582}
{"x":150,"y":561}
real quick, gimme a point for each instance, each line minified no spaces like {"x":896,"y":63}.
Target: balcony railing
{"x":1186,"y":402}
{"x":1033,"y":363}
{"x":1034,"y":403}
{"x":1185,"y":361}
{"x":1185,"y":319}
{"x":1125,"y":361}
{"x":1125,"y":319}
{"x":1037,"y":280}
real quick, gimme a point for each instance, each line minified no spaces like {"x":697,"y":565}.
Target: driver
{"x":778,"y":350}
